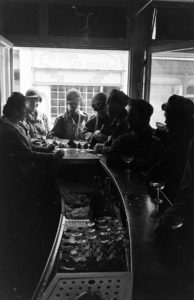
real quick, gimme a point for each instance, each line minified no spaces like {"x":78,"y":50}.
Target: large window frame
{"x":6,"y":70}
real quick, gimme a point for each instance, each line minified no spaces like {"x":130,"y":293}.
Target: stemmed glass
{"x":64,"y":142}
{"x":57,"y":141}
{"x":128,"y":158}
{"x":82,"y":143}
{"x":76,"y":141}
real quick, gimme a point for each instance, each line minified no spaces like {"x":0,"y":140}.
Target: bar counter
{"x":162,"y":265}
{"x":159,"y":268}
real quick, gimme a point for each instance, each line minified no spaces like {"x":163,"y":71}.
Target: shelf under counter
{"x":50,"y":284}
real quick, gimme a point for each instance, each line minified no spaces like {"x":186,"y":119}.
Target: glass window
{"x":58,"y":97}
{"x":171,"y":73}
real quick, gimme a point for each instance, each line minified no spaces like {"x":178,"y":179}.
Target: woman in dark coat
{"x":25,"y":195}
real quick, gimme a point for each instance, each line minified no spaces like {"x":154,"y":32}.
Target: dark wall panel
{"x":96,"y":22}
{"x":20,"y":18}
{"x":175,"y":23}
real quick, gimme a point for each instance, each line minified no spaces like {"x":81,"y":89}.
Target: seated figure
{"x":182,"y":210}
{"x":116,"y":104}
{"x":15,"y":147}
{"x":27,"y":191}
{"x":70,"y":125}
{"x":138,"y":141}
{"x":95,"y":129}
{"x":170,"y":165}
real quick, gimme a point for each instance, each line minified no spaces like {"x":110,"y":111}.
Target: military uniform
{"x":69,"y":126}
{"x":36,"y":124}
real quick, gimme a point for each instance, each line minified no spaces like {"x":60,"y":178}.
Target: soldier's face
{"x":32,"y":103}
{"x":73,"y":106}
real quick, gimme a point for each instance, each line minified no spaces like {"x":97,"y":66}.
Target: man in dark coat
{"x":95,"y":130}
{"x":116,"y":103}
{"x":137,"y":142}
{"x":179,"y":122}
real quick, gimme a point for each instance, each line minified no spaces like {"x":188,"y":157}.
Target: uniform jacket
{"x":36,"y":124}
{"x":69,"y":127}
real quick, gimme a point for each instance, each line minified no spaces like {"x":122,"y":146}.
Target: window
{"x":58,"y":97}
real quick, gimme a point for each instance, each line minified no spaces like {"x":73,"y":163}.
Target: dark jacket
{"x":117,"y":127}
{"x":16,"y":152}
{"x":137,"y":143}
{"x":169,"y":169}
{"x":97,"y":122}
{"x":69,"y":127}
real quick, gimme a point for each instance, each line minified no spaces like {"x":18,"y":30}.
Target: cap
{"x":33,"y":93}
{"x":118,"y":97}
{"x":144,"y":107}
{"x":181,"y":107}
{"x":99,"y":101}
{"x":73,"y":95}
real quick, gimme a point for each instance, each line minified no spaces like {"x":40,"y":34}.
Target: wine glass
{"x":128,"y":158}
{"x":64,"y":143}
{"x":82,"y":143}
{"x":76,"y":141}
{"x":56,"y":141}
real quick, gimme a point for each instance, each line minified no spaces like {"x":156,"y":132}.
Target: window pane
{"x":61,"y":88}
{"x":90,"y":89}
{"x":53,"y":88}
{"x":53,"y":110}
{"x":61,"y":103}
{"x":53,"y":95}
{"x":61,"y":95}
{"x":54,"y":102}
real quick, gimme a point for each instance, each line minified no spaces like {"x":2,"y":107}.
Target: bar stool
{"x":158,"y":187}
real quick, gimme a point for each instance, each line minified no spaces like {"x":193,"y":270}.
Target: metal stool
{"x":159,"y":187}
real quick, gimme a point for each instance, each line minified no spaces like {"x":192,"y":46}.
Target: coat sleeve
{"x":18,"y":149}
{"x":57,"y":128}
{"x":90,"y":125}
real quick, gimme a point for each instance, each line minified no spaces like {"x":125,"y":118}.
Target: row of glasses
{"x":82,"y":142}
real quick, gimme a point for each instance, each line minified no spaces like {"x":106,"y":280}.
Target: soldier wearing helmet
{"x":70,"y":125}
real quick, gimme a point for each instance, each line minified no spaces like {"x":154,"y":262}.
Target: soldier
{"x":36,"y":123}
{"x":70,"y":125}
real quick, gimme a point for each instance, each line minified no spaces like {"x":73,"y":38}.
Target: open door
{"x":170,"y":70}
{"x":6,"y":70}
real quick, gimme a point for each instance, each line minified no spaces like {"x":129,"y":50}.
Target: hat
{"x":118,"y":97}
{"x":144,"y":107}
{"x":180,"y":106}
{"x":33,"y":93}
{"x":99,"y":101}
{"x":73,"y":95}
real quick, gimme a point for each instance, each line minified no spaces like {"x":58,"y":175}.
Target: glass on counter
{"x":94,"y":246}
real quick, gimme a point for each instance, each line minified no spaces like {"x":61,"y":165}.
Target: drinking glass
{"x":64,"y":142}
{"x":77,"y":141}
{"x":82,"y":143}
{"x":57,"y":141}
{"x":128,"y":159}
